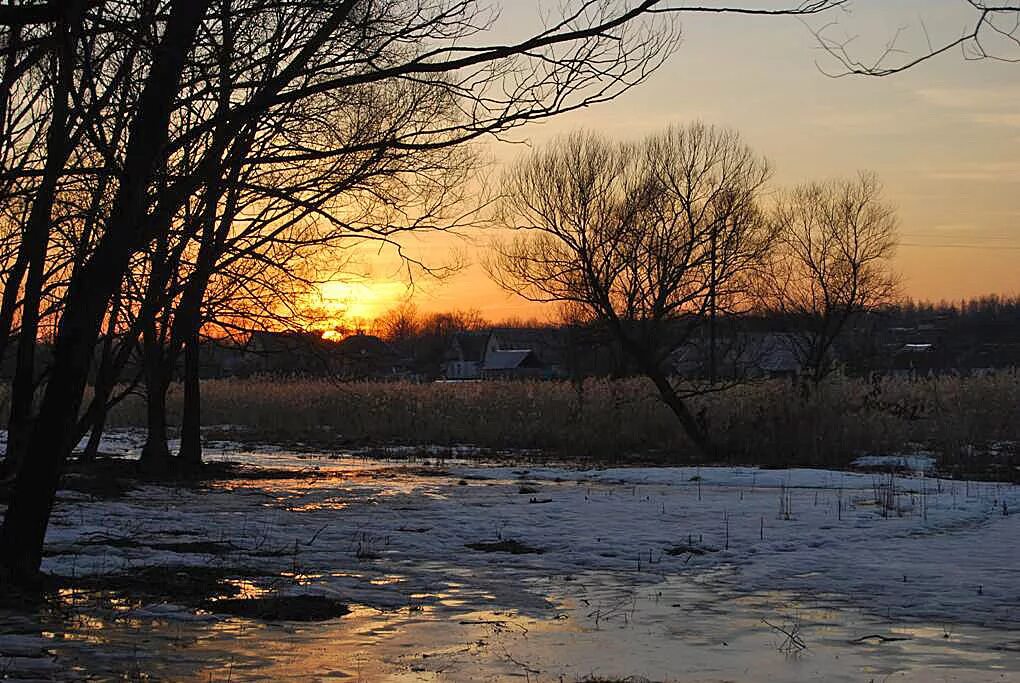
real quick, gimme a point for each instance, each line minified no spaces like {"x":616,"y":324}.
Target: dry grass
{"x":772,"y":422}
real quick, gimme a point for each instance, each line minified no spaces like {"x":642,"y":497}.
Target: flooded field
{"x":348,"y":567}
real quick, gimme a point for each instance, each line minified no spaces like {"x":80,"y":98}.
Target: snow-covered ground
{"x":658,"y":572}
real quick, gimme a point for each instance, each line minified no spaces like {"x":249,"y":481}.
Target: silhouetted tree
{"x":646,"y":239}
{"x":178,"y":145}
{"x":88,"y":295}
{"x":830,"y":263}
{"x":992,"y":32}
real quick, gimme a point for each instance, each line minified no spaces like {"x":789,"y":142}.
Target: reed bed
{"x":775,"y":422}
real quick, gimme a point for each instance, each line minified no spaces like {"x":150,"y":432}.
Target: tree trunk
{"x":19,"y":424}
{"x":110,"y":365}
{"x":36,"y":241}
{"x":95,"y":437}
{"x":191,"y":423}
{"x":87,"y":298}
{"x":692,"y":426}
{"x":156,"y":452}
{"x":712,"y":361}
{"x":157,"y":361}
{"x":645,"y":360}
{"x":16,"y":271}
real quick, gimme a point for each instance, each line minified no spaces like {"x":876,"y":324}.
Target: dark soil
{"x":196,"y":547}
{"x":690,"y":549}
{"x":512,"y":547}
{"x":112,"y":477}
{"x":281,"y":608}
{"x":186,"y":585}
{"x":213,"y":589}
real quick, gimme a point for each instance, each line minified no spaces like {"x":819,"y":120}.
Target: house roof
{"x":547,"y":343}
{"x":287,"y":341}
{"x":769,"y":352}
{"x":777,"y":353}
{"x":364,"y":345}
{"x":472,"y":345}
{"x":506,"y":360}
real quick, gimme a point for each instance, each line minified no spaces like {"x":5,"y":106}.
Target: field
{"x":968,"y":423}
{"x":336,"y":566}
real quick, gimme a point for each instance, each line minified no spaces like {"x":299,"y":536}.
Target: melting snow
{"x":914,"y":549}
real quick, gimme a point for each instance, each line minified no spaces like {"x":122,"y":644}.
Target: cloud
{"x":990,"y":171}
{"x":992,"y":97}
{"x":952,"y":227}
{"x":1011,"y":120}
{"x":989,"y":106}
{"x":832,"y":118}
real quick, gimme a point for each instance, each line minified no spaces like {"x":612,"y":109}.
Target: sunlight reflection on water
{"x":455,"y":617}
{"x":675,"y":629}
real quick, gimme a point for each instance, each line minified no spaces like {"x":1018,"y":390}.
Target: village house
{"x":358,"y":356}
{"x":484,"y":355}
{"x":365,"y":356}
{"x":756,"y":355}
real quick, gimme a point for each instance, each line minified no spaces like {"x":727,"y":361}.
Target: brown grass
{"x":772,"y":422}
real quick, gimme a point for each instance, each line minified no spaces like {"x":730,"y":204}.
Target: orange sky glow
{"x":944,"y":138}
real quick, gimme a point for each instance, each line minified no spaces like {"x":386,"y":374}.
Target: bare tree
{"x":31,"y":261}
{"x":991,"y":33}
{"x":87,"y":298}
{"x":830,"y":263}
{"x":291,"y":55}
{"x":646,"y":239}
{"x":400,"y":324}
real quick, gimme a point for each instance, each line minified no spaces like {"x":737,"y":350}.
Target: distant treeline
{"x":909,"y":337}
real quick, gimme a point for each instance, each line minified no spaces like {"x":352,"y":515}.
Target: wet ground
{"x":457,"y":571}
{"x":594,"y":628}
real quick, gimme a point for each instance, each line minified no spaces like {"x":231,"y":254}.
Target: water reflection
{"x":420,"y":615}
{"x":675,"y":629}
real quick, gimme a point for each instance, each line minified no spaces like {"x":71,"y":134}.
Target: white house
{"x":481,"y":355}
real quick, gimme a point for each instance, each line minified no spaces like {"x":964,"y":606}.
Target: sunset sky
{"x":944,"y":138}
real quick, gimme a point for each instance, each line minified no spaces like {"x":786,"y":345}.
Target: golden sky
{"x":944,"y":138}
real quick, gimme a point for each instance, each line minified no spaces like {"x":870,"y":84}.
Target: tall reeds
{"x":775,"y":422}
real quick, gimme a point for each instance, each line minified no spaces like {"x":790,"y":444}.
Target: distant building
{"x":773,"y":354}
{"x":750,"y":355}
{"x":917,"y":359}
{"x":291,"y":352}
{"x":466,"y":355}
{"x":365,"y":356}
{"x":513,"y":364}
{"x":484,"y":355}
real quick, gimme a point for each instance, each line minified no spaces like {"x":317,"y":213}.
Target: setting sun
{"x":355,"y":303}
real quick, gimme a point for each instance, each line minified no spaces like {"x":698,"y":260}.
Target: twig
{"x":793,"y":640}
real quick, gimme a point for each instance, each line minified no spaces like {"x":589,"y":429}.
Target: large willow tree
{"x":651,"y":240}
